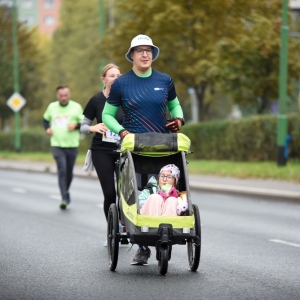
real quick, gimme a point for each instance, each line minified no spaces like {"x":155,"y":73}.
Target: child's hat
{"x":174,"y":170}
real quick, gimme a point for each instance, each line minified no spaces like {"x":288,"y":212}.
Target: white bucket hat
{"x":142,"y":40}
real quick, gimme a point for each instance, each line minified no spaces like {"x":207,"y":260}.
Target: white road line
{"x":19,"y":190}
{"x":285,"y":243}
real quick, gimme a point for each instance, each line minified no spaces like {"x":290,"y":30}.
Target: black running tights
{"x":107,"y":169}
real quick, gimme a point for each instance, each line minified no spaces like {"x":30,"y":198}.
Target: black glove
{"x":174,"y":124}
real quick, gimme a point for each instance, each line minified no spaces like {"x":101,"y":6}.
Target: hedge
{"x":247,"y":139}
{"x":35,"y":140}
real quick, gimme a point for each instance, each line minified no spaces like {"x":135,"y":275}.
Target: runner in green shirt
{"x":62,"y":121}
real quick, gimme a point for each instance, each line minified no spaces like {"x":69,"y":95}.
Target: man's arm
{"x":46,"y":124}
{"x":76,"y":126}
{"x":175,"y":108}
{"x":47,"y":127}
{"x":174,"y":124}
{"x":108,"y":117}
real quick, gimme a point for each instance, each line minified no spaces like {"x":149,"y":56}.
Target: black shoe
{"x":63,"y":205}
{"x":141,"y":257}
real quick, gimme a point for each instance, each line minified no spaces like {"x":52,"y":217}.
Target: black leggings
{"x":65,"y":159}
{"x":106,"y":168}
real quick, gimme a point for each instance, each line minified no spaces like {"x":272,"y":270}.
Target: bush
{"x":248,"y":139}
{"x":35,"y":140}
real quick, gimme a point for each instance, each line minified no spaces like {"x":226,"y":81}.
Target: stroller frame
{"x":135,"y":169}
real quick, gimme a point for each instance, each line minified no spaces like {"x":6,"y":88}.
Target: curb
{"x":200,"y":185}
{"x":245,"y":190}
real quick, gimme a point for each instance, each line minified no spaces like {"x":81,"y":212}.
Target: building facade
{"x":41,"y":13}
{"x":48,"y":15}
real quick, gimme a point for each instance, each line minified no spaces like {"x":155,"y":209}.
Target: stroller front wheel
{"x":163,"y":260}
{"x":113,"y":236}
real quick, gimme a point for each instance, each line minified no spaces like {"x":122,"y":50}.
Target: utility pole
{"x":102,"y":33}
{"x":16,"y":74}
{"x":111,"y":20}
{"x":194,"y":105}
{"x":283,"y":75}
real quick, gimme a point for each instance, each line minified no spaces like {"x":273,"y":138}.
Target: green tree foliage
{"x":30,"y":65}
{"x":210,"y":45}
{"x":249,"y":62}
{"x":72,"y":56}
{"x":6,"y":66}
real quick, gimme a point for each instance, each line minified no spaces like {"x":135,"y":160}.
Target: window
{"x":8,"y":3}
{"x":48,"y":4}
{"x":49,"y":20}
{"x":27,"y":3}
{"x":28,"y":20}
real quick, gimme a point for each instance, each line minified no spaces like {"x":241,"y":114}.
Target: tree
{"x":194,"y":37}
{"x":30,"y":65}
{"x":72,"y":56}
{"x":249,"y":63}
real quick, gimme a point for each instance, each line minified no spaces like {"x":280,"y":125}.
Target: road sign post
{"x":16,"y":102}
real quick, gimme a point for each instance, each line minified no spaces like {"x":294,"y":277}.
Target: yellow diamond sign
{"x":16,"y":102}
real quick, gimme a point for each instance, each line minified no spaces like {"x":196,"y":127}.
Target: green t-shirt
{"x":60,"y":117}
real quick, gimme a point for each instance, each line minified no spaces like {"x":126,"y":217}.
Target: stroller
{"x":142,"y":156}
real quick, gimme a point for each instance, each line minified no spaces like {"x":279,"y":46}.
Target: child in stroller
{"x":159,"y":198}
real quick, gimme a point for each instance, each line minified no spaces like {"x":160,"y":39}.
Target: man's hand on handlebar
{"x":174,"y":124}
{"x":123,"y":133}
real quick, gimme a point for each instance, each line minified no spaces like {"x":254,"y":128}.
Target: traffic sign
{"x":16,"y":102}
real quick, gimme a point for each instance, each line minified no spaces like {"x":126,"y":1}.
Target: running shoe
{"x":141,"y":256}
{"x":63,"y":205}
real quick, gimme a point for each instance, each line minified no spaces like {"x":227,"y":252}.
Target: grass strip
{"x":260,"y":170}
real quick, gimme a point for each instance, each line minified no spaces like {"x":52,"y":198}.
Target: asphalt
{"x":275,"y":189}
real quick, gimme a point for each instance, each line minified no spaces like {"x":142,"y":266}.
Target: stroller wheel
{"x":194,"y":245}
{"x":163,"y":260}
{"x":113,"y":236}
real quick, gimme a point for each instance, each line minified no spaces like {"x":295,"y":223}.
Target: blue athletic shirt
{"x":144,"y":100}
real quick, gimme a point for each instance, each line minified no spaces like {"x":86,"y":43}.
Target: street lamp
{"x":283,"y":71}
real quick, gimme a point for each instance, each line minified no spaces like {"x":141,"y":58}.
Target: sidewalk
{"x":267,"y":188}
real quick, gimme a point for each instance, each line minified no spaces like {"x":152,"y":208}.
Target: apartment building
{"x":294,"y":4}
{"x":48,"y":15}
{"x":41,"y":13}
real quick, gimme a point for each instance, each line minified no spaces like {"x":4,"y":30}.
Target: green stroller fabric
{"x":156,"y":144}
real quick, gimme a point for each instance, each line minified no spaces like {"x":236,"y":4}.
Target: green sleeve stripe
{"x":108,"y":117}
{"x":175,"y":108}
